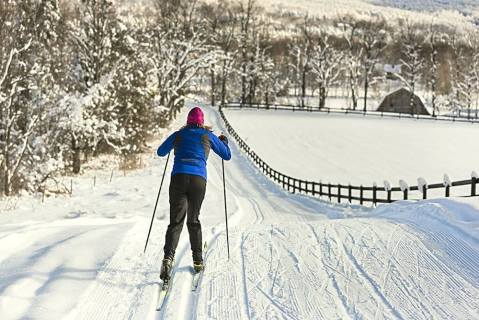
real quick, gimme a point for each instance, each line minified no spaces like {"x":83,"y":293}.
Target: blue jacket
{"x":192,"y":146}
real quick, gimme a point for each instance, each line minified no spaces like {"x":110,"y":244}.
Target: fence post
{"x":294,"y":185}
{"x":375,"y":195}
{"x":447,"y":184}
{"x":473,"y":186}
{"x":339,"y":193}
{"x":422,"y":187}
{"x":320,"y":189}
{"x":361,"y":193}
{"x":350,"y":194}
{"x":389,"y":196}
{"x":329,"y":191}
{"x":404,"y":188}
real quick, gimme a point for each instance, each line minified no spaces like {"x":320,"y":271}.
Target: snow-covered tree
{"x":412,"y":60}
{"x":246,"y":18}
{"x":47,"y":149}
{"x":474,"y":70}
{"x":92,"y":36}
{"x":465,"y":72}
{"x":326,"y":66}
{"x":432,"y":41}
{"x":221,"y":24}
{"x":261,"y":73}
{"x":19,"y":116}
{"x":373,"y":40}
{"x":227,"y":53}
{"x":136,"y":94}
{"x":353,"y":54}
{"x":269,"y":82}
{"x":177,"y":59}
{"x":301,"y":55}
{"x":98,"y":42}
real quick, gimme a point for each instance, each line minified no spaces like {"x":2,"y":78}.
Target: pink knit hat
{"x":195,"y":117}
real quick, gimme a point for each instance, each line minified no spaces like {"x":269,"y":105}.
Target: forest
{"x":89,"y":77}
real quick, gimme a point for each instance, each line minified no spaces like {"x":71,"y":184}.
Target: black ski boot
{"x":198,"y":266}
{"x":166,"y":267}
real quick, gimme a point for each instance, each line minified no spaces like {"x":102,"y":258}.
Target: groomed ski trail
{"x":292,"y":257}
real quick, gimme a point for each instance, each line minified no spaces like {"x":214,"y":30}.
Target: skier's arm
{"x":166,"y":146}
{"x":221,"y":148}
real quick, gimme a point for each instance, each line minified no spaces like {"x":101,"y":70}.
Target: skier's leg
{"x":196,"y":194}
{"x":178,"y":207}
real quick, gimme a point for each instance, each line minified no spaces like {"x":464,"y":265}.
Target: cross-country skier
{"x":192,"y":145}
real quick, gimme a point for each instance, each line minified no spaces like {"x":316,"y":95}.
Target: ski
{"x":164,"y":289}
{"x":197,"y":275}
{"x":162,"y":294}
{"x":196,"y":279}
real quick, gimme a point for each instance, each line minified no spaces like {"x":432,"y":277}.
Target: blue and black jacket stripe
{"x":192,"y":146}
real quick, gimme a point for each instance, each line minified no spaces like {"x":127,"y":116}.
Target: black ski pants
{"x":186,"y":196}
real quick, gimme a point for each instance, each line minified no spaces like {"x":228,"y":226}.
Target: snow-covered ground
{"x":331,"y":102}
{"x":292,"y":257}
{"x":358,"y":150}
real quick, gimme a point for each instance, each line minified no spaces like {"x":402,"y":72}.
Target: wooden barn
{"x":399,"y":102}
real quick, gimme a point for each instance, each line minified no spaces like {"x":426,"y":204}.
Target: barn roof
{"x":390,"y":93}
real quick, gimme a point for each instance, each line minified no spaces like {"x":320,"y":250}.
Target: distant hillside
{"x":448,"y":12}
{"x":462,"y":13}
{"x":430,"y":5}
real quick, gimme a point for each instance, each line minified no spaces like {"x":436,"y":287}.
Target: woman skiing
{"x":191,"y":145}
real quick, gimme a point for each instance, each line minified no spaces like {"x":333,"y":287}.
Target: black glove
{"x":223,"y":138}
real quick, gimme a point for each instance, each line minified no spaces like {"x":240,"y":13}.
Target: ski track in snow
{"x":292,"y":257}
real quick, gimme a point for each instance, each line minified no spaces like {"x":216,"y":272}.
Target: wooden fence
{"x":325,"y":110}
{"x":349,"y":193}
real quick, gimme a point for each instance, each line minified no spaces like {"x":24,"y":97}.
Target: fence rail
{"x":294,"y":108}
{"x":338,"y":192}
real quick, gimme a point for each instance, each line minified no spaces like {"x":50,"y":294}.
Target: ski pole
{"x":156,"y":204}
{"x":226,"y":209}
